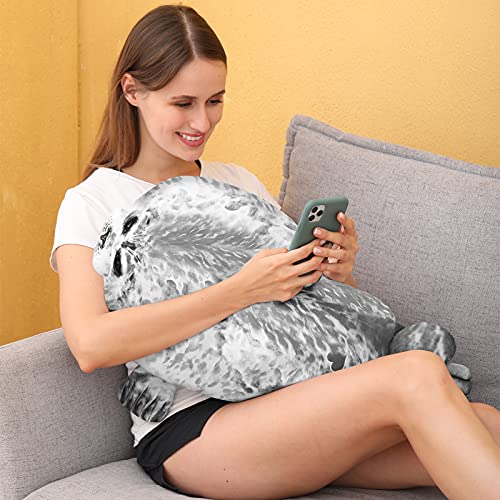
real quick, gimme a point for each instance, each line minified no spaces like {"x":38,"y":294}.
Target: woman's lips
{"x":192,"y":144}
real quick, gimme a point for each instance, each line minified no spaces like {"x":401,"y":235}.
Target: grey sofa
{"x":429,"y":246}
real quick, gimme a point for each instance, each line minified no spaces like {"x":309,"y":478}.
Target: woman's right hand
{"x":271,"y":275}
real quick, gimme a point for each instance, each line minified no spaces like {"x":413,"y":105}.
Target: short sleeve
{"x":264,"y":193}
{"x":267,"y":196}
{"x":78,"y":222}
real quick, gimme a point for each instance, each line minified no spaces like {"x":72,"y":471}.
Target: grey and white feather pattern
{"x":190,"y":232}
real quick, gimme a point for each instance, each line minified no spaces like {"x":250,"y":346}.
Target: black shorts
{"x":173,"y":433}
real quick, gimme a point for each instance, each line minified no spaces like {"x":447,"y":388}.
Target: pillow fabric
{"x":429,"y":232}
{"x":190,"y":232}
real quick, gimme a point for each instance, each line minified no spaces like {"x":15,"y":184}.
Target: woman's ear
{"x":129,"y":88}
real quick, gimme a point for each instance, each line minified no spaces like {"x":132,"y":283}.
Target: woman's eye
{"x":186,"y":104}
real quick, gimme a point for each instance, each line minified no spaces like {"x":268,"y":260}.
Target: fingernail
{"x":318,"y":232}
{"x":341,"y":215}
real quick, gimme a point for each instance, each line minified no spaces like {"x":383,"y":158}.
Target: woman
{"x":395,"y":422}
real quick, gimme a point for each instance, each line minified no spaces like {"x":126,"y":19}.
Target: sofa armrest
{"x":56,"y":420}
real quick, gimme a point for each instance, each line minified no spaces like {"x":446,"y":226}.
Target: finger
{"x":307,"y":266}
{"x":335,"y":267}
{"x":343,"y":240}
{"x":303,"y":280}
{"x":348,"y":223}
{"x":340,"y":254}
{"x":334,"y":237}
{"x":301,"y":252}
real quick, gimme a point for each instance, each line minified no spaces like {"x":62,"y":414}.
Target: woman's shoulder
{"x":103,"y":192}
{"x":239,"y":176}
{"x":92,"y":183}
{"x":228,"y":172}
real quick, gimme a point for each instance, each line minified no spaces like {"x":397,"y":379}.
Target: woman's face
{"x":165,"y":113}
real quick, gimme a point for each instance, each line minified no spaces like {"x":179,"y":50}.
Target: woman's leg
{"x":300,"y":438}
{"x":450,"y":440}
{"x":294,"y":440}
{"x":399,"y":467}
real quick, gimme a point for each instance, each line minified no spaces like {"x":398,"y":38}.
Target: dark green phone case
{"x":320,"y":212}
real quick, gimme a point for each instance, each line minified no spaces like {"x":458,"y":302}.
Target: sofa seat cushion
{"x":122,"y":480}
{"x":125,"y":480}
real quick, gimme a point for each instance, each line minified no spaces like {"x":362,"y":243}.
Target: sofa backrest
{"x":429,"y":233}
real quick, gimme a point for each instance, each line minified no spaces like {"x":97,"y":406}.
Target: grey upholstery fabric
{"x":429,"y":233}
{"x":56,"y":421}
{"x":125,"y":480}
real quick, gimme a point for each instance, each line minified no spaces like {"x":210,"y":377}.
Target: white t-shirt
{"x":87,"y":206}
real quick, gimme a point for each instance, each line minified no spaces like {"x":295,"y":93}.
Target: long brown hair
{"x":158,"y":46}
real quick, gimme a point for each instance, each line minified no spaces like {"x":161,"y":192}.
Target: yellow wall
{"x":422,"y":74}
{"x":38,"y":155}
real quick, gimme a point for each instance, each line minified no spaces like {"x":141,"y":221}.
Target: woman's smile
{"x":189,"y":142}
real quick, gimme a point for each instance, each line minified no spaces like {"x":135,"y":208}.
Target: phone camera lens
{"x":314,"y":209}
{"x":320,"y":212}
{"x":311,"y":218}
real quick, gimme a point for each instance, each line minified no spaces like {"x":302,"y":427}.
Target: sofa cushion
{"x":125,"y":480}
{"x":56,"y":420}
{"x":429,"y":233}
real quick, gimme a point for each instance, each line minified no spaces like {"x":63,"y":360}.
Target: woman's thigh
{"x":297,"y":439}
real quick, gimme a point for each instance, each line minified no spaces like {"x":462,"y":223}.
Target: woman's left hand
{"x":339,"y":260}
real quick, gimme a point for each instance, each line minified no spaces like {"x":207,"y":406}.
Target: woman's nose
{"x":200,"y":121}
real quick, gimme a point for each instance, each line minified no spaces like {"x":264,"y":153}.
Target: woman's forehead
{"x":198,"y":78}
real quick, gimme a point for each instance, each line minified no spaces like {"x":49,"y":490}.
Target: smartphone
{"x":320,"y":212}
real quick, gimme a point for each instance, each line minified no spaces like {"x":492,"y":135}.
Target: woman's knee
{"x":420,"y":370}
{"x":483,"y":408}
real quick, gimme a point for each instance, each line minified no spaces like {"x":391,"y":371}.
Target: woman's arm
{"x":99,"y":338}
